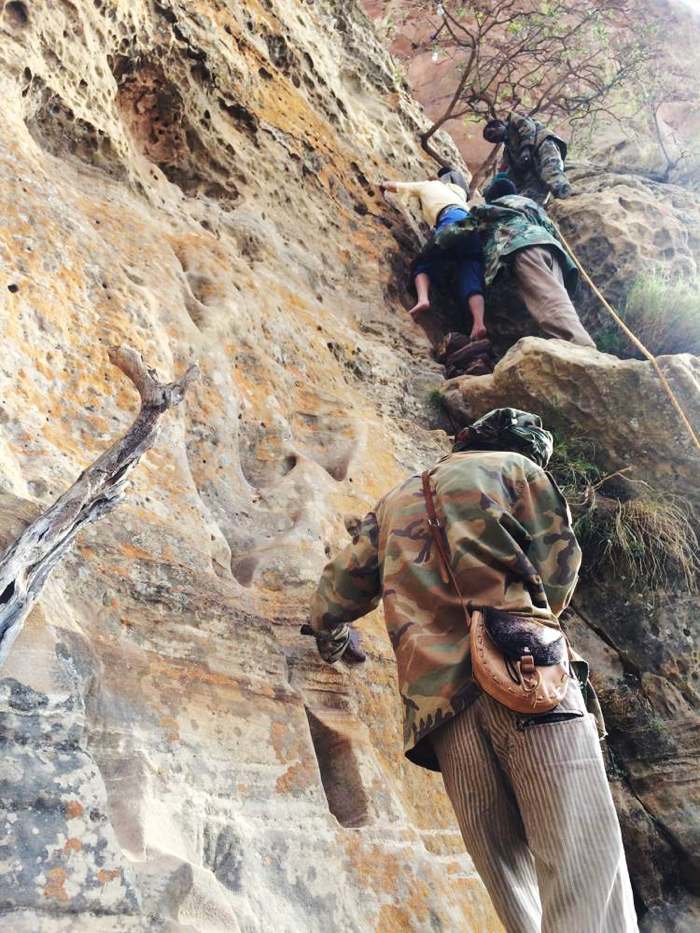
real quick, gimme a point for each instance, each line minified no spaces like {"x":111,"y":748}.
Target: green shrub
{"x":663,"y":312}
{"x":625,"y":529}
{"x":434,"y":399}
{"x":650,"y":542}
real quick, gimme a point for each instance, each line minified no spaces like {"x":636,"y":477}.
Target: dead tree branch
{"x":561,"y":60}
{"x":28,"y":562}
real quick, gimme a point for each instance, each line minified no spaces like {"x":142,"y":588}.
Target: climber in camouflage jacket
{"x":509,"y":531}
{"x":529,"y":791}
{"x":507,"y":224}
{"x":533,"y":156}
{"x":518,"y":236}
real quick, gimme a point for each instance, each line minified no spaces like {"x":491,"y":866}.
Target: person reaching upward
{"x":443,"y":202}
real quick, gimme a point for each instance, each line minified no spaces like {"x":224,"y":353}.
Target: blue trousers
{"x":466,"y":261}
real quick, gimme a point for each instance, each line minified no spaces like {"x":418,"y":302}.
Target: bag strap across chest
{"x":437,"y":529}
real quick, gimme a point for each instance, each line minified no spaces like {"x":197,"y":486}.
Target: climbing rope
{"x":633,"y":338}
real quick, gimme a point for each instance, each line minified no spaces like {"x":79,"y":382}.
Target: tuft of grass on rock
{"x":649,"y":541}
{"x":574,"y":468}
{"x":663,"y":312}
{"x":626,"y":530}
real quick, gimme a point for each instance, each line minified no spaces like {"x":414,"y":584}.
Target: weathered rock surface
{"x":619,"y":404}
{"x":621,"y":225}
{"x":196,"y":180}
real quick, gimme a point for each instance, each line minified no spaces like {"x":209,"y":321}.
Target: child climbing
{"x":533,"y":156}
{"x":443,"y":203}
{"x":518,"y":235}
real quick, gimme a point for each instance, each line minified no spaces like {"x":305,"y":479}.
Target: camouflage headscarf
{"x":508,"y":429}
{"x":499,"y":188}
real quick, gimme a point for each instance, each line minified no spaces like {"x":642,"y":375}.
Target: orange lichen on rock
{"x":54,"y":885}
{"x":73,"y":809}
{"x":196,"y":180}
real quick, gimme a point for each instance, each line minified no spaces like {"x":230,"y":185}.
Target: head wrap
{"x":499,"y":188}
{"x":494,"y":125}
{"x":508,"y":429}
{"x":450,"y":175}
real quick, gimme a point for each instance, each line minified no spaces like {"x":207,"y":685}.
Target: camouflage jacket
{"x":512,"y":547}
{"x":525,"y":133}
{"x":507,"y":225}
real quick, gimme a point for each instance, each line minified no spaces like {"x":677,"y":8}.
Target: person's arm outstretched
{"x":349,"y":588}
{"x":411,"y":187}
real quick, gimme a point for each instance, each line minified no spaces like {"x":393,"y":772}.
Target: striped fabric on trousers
{"x":536,"y":814}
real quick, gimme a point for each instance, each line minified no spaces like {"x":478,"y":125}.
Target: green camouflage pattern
{"x":508,"y":429}
{"x":506,"y":225}
{"x":549,"y":172}
{"x":512,"y":548}
{"x":546,"y":170}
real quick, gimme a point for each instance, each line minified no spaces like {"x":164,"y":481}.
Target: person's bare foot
{"x":478,"y":333}
{"x":418,"y":308}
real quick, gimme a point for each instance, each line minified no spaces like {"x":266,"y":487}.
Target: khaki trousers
{"x":541,"y":287}
{"x":536,"y":814}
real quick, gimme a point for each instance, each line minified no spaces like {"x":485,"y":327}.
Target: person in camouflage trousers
{"x":533,"y":156}
{"x":519,"y":237}
{"x":529,"y":792}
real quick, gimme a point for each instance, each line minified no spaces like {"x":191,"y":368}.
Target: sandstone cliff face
{"x":195,"y":180}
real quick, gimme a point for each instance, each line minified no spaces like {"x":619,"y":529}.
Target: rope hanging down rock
{"x":27,"y":563}
{"x":633,"y":338}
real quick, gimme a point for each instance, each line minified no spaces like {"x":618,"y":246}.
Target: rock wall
{"x":621,"y":225}
{"x":195,"y":180}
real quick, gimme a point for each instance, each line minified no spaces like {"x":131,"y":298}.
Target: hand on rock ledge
{"x":354,"y":654}
{"x":342,"y":645}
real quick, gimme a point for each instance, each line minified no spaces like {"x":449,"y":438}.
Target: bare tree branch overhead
{"x":28,"y":562}
{"x":559,"y":60}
